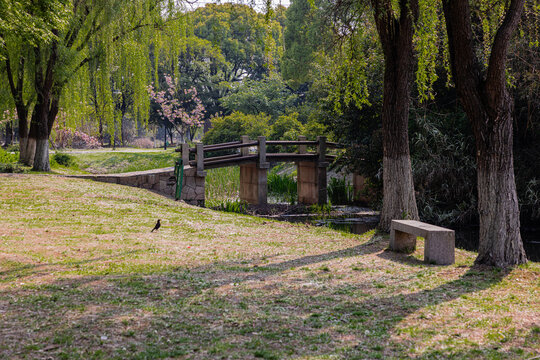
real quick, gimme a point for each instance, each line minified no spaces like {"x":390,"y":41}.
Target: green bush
{"x":8,"y":157}
{"x":13,"y":148}
{"x":10,"y":168}
{"x":65,"y":160}
{"x":287,"y":127}
{"x":231,"y":127}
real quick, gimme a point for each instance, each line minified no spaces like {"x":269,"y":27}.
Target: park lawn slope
{"x":82,"y":277}
{"x":107,"y":161}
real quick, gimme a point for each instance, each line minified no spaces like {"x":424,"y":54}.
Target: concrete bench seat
{"x":439,"y":242}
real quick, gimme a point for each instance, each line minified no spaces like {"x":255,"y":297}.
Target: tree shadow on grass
{"x":217,"y":311}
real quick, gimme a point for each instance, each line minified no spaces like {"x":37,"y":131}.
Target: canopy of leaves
{"x":250,"y":43}
{"x":304,"y":36}
{"x":230,"y":128}
{"x":269,"y":95}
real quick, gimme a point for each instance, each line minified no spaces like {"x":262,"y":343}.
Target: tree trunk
{"x":399,"y":201}
{"x":9,"y":134}
{"x":41,"y":135}
{"x":489,"y":106}
{"x":500,"y":239}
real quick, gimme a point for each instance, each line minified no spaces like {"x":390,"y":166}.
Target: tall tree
{"x":250,"y":43}
{"x":54,"y":64}
{"x":488,"y":104}
{"x":303,"y":36}
{"x":395,"y":25}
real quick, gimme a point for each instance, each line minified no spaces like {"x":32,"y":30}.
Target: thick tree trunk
{"x":41,"y":159}
{"x":489,"y":106}
{"x":30,"y":143}
{"x":500,"y":239}
{"x":40,"y":124}
{"x":399,"y":201}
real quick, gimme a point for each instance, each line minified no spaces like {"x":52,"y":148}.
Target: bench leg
{"x":402,"y":242}
{"x":439,"y":248}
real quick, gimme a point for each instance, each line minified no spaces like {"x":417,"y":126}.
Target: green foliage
{"x":233,"y":206}
{"x":230,"y":128}
{"x":13,"y":148}
{"x":65,"y":160}
{"x":287,"y":127}
{"x":340,"y":191}
{"x":8,"y":157}
{"x":269,"y":95}
{"x":314,"y":128}
{"x":282,"y":186}
{"x":8,"y":162}
{"x":444,"y":169}
{"x":249,"y":42}
{"x":304,"y":34}
{"x":11,"y":168}
{"x":221,"y":184}
{"x":427,"y":39}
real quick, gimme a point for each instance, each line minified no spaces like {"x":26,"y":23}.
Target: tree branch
{"x":497,"y":60}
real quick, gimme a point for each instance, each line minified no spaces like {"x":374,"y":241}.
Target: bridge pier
{"x":194,"y":177}
{"x":311,"y":176}
{"x":254,"y":177}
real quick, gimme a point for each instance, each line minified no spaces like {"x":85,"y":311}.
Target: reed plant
{"x":283,"y":187}
{"x":222,"y":185}
{"x":340,"y":191}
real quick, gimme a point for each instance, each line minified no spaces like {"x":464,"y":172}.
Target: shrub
{"x":143,"y":143}
{"x":231,"y":127}
{"x":13,"y":148}
{"x":65,"y":160}
{"x":10,"y":168}
{"x":74,"y":139}
{"x":287,"y":127}
{"x":8,"y":156}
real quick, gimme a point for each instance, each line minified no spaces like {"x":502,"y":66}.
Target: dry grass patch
{"x":81,"y":276}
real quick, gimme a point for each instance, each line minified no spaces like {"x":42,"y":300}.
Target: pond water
{"x":466,"y":238}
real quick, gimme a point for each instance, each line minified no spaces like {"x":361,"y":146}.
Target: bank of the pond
{"x":359,"y":220}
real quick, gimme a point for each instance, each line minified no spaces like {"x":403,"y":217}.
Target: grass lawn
{"x":82,"y":277}
{"x":107,"y":161}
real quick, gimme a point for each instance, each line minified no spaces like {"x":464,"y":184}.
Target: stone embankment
{"x":161,"y":181}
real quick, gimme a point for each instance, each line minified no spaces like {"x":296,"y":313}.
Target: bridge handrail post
{"x":321,"y":148}
{"x":185,"y":153}
{"x":302,"y":149}
{"x":262,"y":150}
{"x":200,"y":159}
{"x":245,"y":150}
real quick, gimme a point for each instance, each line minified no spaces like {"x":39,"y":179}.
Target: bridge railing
{"x":259,"y":153}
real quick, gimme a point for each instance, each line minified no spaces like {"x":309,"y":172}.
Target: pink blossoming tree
{"x":181,"y":108}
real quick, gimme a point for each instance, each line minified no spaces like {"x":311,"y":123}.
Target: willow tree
{"x":482,"y":89}
{"x":53,"y":65}
{"x":396,"y":25}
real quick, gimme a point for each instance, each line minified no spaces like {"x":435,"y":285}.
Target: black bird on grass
{"x":158,"y":224}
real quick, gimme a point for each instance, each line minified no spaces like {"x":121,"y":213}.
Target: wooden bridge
{"x":311,"y":158}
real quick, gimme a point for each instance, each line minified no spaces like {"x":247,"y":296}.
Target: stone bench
{"x":439,"y":242}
